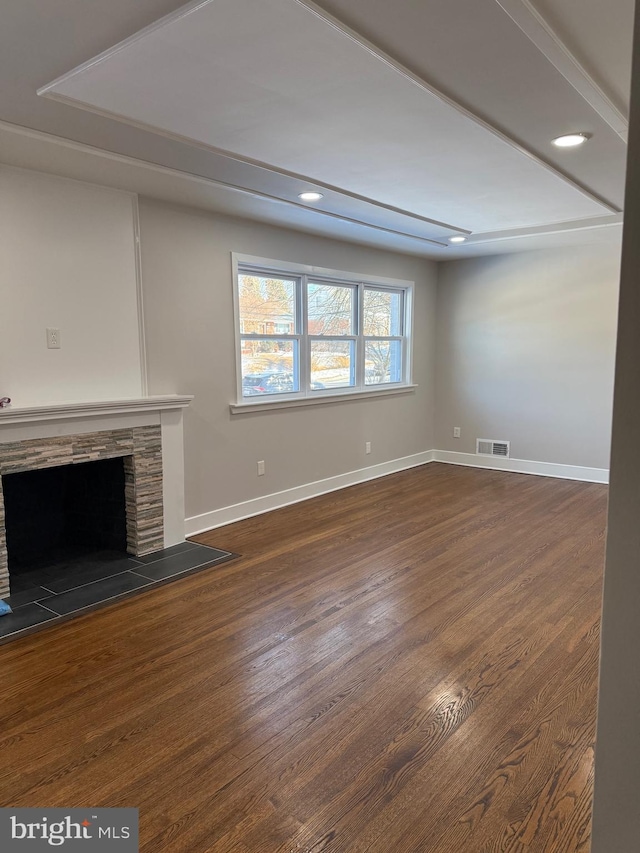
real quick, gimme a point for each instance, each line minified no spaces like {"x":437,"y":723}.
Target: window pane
{"x":330,"y":309}
{"x":267,"y":305}
{"x":332,"y":364}
{"x":269,"y":366}
{"x":382,"y":362}
{"x":382,"y":312}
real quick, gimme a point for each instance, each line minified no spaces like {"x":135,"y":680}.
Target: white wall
{"x":188,"y":299}
{"x":526,"y":346}
{"x":68,"y":262}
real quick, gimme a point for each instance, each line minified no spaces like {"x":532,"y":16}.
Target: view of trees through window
{"x":298,"y":334}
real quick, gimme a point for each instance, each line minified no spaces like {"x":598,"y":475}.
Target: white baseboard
{"x":523,"y":466}
{"x":246,"y":509}
{"x":256,"y":506}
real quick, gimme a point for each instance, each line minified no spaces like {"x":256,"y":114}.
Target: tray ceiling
{"x":302,"y":96}
{"x":416,"y":120}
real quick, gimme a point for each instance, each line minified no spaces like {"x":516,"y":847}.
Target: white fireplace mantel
{"x":58,"y":411}
{"x":22,"y":423}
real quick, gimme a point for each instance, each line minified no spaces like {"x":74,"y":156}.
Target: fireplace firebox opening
{"x":65,"y":512}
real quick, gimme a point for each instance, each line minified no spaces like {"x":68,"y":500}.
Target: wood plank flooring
{"x":408,"y":665}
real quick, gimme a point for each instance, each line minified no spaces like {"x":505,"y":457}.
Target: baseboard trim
{"x":247,"y":509}
{"x":277,"y":500}
{"x":523,"y":466}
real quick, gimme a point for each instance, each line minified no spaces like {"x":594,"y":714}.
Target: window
{"x":305,"y":332}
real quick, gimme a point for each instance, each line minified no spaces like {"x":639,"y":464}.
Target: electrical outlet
{"x":53,"y":338}
{"x":367,"y":447}
{"x":261,"y":468}
{"x":456,"y":432}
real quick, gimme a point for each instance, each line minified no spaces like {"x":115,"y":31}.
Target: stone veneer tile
{"x":141,"y":448}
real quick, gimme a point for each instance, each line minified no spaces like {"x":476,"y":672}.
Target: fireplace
{"x":53,"y":515}
{"x":144,"y":436}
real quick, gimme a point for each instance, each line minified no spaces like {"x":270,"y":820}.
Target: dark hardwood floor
{"x":408,"y":665}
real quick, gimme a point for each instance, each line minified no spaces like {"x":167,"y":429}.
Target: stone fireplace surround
{"x":148,"y":434}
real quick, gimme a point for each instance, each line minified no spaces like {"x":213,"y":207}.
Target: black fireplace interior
{"x":62,"y":513}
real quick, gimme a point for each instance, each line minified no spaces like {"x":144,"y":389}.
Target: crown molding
{"x":538,"y":30}
{"x":589,"y":224}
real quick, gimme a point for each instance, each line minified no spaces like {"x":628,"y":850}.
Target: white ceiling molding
{"x":270,"y":56}
{"x":311,"y":183}
{"x":313,"y":212}
{"x":544,"y":37}
{"x":24,"y":148}
{"x":48,"y":91}
{"x":592,"y":224}
{"x":189,"y":8}
{"x":60,"y":89}
{"x":171,"y":17}
{"x":319,"y":184}
{"x":620,"y":129}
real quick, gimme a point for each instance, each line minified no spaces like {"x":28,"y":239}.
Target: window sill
{"x":320,"y":399}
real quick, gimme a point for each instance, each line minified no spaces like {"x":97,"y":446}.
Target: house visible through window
{"x":305,"y":332}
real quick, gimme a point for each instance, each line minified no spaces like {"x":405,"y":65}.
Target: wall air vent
{"x":491,"y":447}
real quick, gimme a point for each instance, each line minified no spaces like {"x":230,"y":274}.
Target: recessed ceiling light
{"x":459,"y":239}
{"x":310,"y":196}
{"x":570,"y":140}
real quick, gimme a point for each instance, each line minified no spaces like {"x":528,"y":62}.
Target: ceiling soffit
{"x":514,"y":95}
{"x":307,"y":97}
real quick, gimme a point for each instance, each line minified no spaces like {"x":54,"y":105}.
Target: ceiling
{"x":416,"y":119}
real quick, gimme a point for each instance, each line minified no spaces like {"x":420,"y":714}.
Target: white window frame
{"x":302,"y":274}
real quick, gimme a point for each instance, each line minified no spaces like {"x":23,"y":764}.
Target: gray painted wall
{"x":616,"y":820}
{"x":67,"y":261}
{"x":189,"y":326}
{"x":525,"y":352}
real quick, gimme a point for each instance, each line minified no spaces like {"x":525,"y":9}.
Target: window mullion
{"x":360,"y":337}
{"x":305,"y":347}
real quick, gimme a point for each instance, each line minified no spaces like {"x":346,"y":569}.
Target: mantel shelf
{"x":58,"y":411}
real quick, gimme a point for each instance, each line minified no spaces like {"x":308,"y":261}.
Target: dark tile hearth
{"x":165,"y":568}
{"x":76,"y":585}
{"x":94,"y":593}
{"x":69,"y":571}
{"x":27,"y":596}
{"x":23,"y":617}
